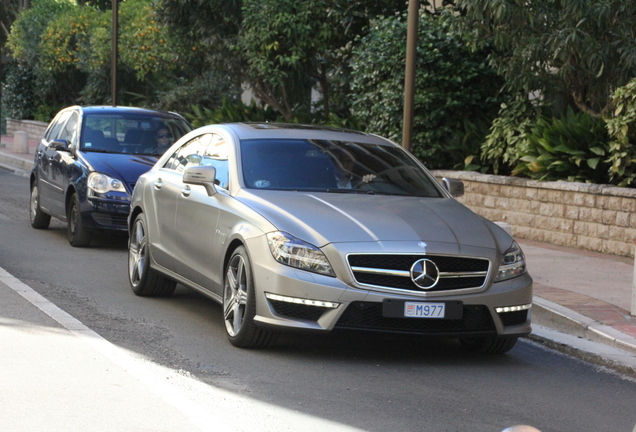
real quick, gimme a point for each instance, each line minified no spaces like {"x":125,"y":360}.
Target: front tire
{"x":239,"y":304}
{"x":489,"y":345}
{"x":78,"y":234}
{"x":144,"y":281}
{"x":39,"y":219}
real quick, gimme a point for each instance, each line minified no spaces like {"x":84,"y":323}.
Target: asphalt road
{"x":362,"y":381}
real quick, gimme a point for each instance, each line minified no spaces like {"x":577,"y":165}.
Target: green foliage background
{"x":457,"y":93}
{"x":547,"y":92}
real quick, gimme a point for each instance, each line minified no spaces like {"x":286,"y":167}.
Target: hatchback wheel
{"x":39,"y":219}
{"x":489,"y":345}
{"x":144,"y":281}
{"x":239,"y":305}
{"x":78,"y":234}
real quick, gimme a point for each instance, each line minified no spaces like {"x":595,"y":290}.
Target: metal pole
{"x":633,"y":311}
{"x":409,"y":76}
{"x":113,"y":61}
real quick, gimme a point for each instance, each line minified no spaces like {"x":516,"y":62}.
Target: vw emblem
{"x":424,"y":273}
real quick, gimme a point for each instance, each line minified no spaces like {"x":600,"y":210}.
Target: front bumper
{"x":106,"y":212}
{"x":287,"y":297}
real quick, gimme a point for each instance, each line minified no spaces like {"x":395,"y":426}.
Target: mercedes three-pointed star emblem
{"x":424,"y":274}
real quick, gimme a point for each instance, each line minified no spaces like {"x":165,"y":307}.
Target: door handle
{"x":186,"y":191}
{"x":158,"y":184}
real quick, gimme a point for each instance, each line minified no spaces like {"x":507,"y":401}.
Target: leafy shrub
{"x":231,"y":111}
{"x":500,"y":150}
{"x":18,"y":92}
{"x":622,"y":130}
{"x":574,"y":147}
{"x":455,"y":88}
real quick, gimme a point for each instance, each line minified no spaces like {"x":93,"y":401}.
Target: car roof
{"x":99,"y":109}
{"x":299,"y":131}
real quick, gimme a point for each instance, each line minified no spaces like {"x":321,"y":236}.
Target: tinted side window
{"x":59,"y":123}
{"x":69,"y":131}
{"x":216,"y":155}
{"x":189,"y":154}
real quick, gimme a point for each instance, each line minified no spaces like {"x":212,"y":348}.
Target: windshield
{"x":333,"y":166}
{"x":130,"y":133}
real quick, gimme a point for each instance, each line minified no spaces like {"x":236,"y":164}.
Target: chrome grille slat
{"x":406,"y":273}
{"x":392,"y":271}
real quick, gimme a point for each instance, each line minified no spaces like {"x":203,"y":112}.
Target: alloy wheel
{"x":235,"y":296}
{"x":137,"y":253}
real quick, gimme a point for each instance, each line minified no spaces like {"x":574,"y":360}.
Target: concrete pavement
{"x":581,"y":306}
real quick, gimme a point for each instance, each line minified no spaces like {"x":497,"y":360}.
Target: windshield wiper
{"x":350,"y":191}
{"x":91,"y":150}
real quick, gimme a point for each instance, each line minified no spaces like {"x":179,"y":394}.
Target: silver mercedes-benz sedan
{"x":313,"y":228}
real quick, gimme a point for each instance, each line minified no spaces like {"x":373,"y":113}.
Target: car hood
{"x":322,"y":218}
{"x":126,"y":167}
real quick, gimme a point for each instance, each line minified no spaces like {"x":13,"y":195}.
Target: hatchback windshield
{"x":121,"y":133}
{"x":333,"y":166}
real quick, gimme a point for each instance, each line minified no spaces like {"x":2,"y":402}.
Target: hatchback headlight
{"x":294,"y":252}
{"x":101,"y":183}
{"x":512,"y":264}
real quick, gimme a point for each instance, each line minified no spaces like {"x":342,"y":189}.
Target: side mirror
{"x":201,"y":175}
{"x":61,"y":145}
{"x":453,"y":186}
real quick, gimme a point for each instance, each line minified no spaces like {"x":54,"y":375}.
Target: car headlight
{"x":101,"y":183}
{"x":512,"y":264}
{"x":294,"y":252}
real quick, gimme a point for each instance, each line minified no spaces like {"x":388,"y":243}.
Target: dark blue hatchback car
{"x":88,"y":161}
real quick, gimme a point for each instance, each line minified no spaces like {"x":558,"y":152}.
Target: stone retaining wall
{"x":34,"y":129}
{"x":599,"y":218}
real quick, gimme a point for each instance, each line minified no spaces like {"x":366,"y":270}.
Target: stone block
{"x":622,"y":219}
{"x":552,"y":210}
{"x":20,"y":142}
{"x":609,"y":217}
{"x":572,"y":212}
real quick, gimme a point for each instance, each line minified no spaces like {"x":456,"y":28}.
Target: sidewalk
{"x":581,"y":306}
{"x":20,"y":163}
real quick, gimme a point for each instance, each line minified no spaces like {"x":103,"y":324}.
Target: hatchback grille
{"x":110,"y":219}
{"x":393,"y":271}
{"x":368,"y":316}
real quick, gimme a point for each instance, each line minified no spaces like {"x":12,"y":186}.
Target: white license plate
{"x":424,"y":310}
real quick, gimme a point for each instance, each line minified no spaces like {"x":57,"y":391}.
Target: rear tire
{"x":144,"y":281}
{"x":239,"y":305}
{"x":489,"y":345}
{"x":39,"y":219}
{"x":78,"y":234}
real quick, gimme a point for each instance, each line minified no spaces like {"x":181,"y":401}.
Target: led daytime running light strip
{"x":306,"y":302}
{"x":513,"y":308}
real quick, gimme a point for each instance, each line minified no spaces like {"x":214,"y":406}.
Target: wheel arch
{"x":134,"y":212}
{"x":234,"y":244}
{"x":67,"y":197}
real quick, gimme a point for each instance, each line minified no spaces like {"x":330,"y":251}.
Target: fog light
{"x":513,"y":308}
{"x":306,"y":302}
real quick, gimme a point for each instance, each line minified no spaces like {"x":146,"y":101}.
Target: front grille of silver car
{"x":368,"y":316}
{"x":393,"y":271}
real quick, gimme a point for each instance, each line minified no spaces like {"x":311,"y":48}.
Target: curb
{"x":555,"y":316}
{"x":18,"y":165}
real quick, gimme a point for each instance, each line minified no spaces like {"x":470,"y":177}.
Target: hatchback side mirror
{"x":201,"y":175}
{"x":453,"y":186}
{"x":61,"y":144}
